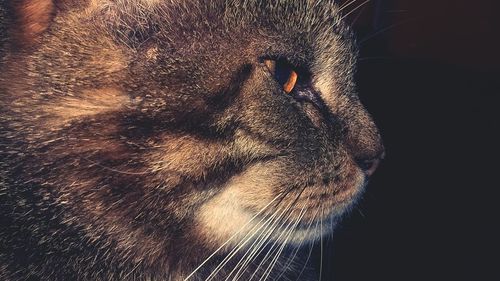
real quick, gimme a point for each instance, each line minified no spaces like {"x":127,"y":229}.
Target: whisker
{"x":343,"y":7}
{"x":321,"y":245}
{"x":357,"y":16}
{"x":308,"y":257}
{"x":231,"y":238}
{"x":271,"y":251}
{"x":363,"y":59}
{"x":369,"y":37}
{"x":240,"y":245}
{"x":290,"y":260}
{"x":243,"y":242}
{"x":114,"y":170}
{"x":290,"y":231}
{"x":360,"y":212}
{"x":269,"y":225}
{"x":268,"y":255}
{"x":265,"y":242}
{"x":355,"y":9}
{"x":332,"y":223}
{"x":256,"y":246}
{"x":275,"y":242}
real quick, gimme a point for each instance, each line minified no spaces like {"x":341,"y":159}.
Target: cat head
{"x":161,"y":125}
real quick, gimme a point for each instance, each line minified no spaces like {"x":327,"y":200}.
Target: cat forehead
{"x":305,"y":12}
{"x":307,"y":33}
{"x":240,"y":3}
{"x":301,"y":21}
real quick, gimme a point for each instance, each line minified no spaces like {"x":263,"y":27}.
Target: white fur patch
{"x":227,"y":220}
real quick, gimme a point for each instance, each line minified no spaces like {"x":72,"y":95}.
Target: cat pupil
{"x":283,"y":73}
{"x":290,"y":83}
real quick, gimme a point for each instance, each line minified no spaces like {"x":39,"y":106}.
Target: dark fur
{"x":79,"y":197}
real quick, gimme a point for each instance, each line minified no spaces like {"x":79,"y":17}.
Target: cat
{"x":176,"y":140}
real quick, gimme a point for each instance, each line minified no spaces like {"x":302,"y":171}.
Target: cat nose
{"x":371,"y":164}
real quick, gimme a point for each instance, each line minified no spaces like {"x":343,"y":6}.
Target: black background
{"x":429,"y":74}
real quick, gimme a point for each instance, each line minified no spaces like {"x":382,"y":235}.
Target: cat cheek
{"x":229,"y":213}
{"x":87,"y":104}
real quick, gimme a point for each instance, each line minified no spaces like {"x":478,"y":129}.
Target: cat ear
{"x":31,"y":18}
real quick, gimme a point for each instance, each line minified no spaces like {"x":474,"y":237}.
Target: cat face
{"x":164,"y":128}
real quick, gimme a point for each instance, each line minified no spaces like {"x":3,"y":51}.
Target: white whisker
{"x":271,"y":250}
{"x":268,"y":224}
{"x":343,"y":7}
{"x":231,"y":238}
{"x":308,"y":257}
{"x":355,"y":9}
{"x":94,"y":163}
{"x":290,"y":231}
{"x":321,"y":245}
{"x":240,"y":245}
{"x":256,"y":246}
{"x":369,"y":37}
{"x":264,"y":241}
{"x":302,"y":240}
{"x":357,"y":16}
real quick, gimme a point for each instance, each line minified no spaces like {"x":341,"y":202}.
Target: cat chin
{"x":225,"y":221}
{"x":244,"y":230}
{"x":307,"y":233}
{"x":313,"y":230}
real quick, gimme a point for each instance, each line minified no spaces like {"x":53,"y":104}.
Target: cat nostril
{"x":370,"y":165}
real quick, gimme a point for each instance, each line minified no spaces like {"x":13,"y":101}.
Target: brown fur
{"x":137,"y":136}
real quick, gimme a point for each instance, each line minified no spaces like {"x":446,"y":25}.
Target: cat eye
{"x":283,"y":73}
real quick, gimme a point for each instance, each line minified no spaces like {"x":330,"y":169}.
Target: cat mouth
{"x":307,"y":218}
{"x":245,"y":213}
{"x":310,"y":221}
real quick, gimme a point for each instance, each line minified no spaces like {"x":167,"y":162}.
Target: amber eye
{"x":283,"y":73}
